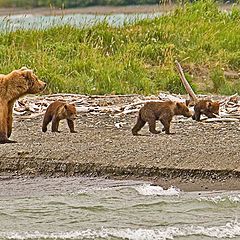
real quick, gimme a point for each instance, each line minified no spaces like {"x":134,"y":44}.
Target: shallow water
{"x":12,"y":23}
{"x":83,"y":208}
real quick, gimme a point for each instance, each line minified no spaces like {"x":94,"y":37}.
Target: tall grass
{"x":136,"y":58}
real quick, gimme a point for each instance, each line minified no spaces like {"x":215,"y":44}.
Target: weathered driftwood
{"x":170,"y":97}
{"x":187,"y":86}
{"x":132,"y":105}
{"x":32,"y":107}
{"x":221,"y":120}
{"x":127,"y":112}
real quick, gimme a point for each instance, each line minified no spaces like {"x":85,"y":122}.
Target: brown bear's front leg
{"x":196,"y":116}
{"x":166,"y":125}
{"x":209,"y":114}
{"x":140,"y":123}
{"x":55,"y":124}
{"x":71,"y":126}
{"x":10,"y":118}
{"x":46,"y":120}
{"x":152,"y":126}
{"x":4,"y":124}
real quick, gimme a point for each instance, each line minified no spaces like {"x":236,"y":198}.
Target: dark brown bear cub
{"x":207,"y":107}
{"x":57,"y":111}
{"x":163,"y":111}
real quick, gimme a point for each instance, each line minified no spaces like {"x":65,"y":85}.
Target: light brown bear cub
{"x":206,"y":107}
{"x":57,"y":111}
{"x":13,"y":86}
{"x":163,"y":111}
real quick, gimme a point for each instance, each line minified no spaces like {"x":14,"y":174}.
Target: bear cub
{"x":57,"y":111}
{"x":206,"y":107}
{"x":163,"y":111}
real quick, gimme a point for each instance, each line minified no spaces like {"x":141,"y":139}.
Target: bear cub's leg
{"x":140,"y":123}
{"x":166,"y":125}
{"x":152,"y":126}
{"x":47,"y":119}
{"x":55,"y":124}
{"x":71,"y":126}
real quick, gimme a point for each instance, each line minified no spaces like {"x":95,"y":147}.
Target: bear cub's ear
{"x":209,"y":104}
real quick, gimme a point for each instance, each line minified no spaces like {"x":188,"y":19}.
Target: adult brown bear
{"x":163,"y":111}
{"x":12,"y":86}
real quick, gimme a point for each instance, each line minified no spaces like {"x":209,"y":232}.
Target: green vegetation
{"x":137,"y":58}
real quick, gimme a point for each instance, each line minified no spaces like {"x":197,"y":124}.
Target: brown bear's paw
{"x":156,"y":132}
{"x":73,"y":131}
{"x":134,"y":133}
{"x":44,"y":129}
{"x":56,"y":131}
{"x":3,"y":141}
{"x":168,"y":133}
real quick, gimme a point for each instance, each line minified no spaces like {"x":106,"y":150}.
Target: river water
{"x":12,"y":23}
{"x":85,"y":208}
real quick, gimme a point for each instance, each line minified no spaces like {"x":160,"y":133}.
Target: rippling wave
{"x":230,"y":230}
{"x":86,"y":208}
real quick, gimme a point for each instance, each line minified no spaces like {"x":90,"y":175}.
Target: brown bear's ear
{"x":28,"y":74}
{"x":24,"y":68}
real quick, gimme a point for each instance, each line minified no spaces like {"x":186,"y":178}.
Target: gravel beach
{"x":197,"y":156}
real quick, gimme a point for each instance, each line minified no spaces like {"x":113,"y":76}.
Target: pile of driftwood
{"x":32,"y":107}
{"x":114,"y":105}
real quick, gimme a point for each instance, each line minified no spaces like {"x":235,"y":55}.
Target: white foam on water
{"x":142,"y":189}
{"x":150,"y":190}
{"x":218,"y":199}
{"x":230,"y":230}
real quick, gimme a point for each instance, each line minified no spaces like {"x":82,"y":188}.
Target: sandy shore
{"x":198,"y":156}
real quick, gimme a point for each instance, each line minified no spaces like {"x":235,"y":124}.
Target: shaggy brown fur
{"x":57,"y":111}
{"x":207,"y":107}
{"x":163,"y":111}
{"x":12,"y":86}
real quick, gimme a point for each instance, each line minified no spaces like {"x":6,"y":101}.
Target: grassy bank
{"x":137,"y":58}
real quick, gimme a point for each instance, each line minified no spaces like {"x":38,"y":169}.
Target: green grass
{"x":136,"y":58}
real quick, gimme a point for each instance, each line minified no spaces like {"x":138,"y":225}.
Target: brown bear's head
{"x":182,"y":109}
{"x":213,"y":107}
{"x":71,"y":112}
{"x":34,"y":85}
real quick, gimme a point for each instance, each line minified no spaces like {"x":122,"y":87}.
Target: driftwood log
{"x":233,"y":101}
{"x":187,"y":86}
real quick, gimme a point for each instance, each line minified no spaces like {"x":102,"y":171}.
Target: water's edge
{"x":188,"y":179}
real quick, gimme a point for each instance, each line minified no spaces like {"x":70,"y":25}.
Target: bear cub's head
{"x":70,"y":111}
{"x":182,"y":109}
{"x":213,"y":107}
